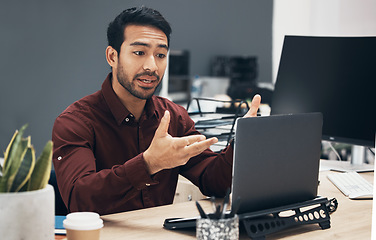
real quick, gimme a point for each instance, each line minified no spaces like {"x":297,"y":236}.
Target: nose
{"x":150,"y":64}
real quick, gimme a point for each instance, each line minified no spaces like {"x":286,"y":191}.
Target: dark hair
{"x":139,"y":16}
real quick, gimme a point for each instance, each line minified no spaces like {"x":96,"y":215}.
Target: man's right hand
{"x":166,"y":152}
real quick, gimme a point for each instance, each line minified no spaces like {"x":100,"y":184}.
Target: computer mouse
{"x":361,"y":195}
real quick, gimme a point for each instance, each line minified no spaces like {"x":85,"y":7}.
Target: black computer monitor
{"x":332,"y":75}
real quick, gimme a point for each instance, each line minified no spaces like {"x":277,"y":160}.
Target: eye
{"x":161,"y":55}
{"x":139,"y":53}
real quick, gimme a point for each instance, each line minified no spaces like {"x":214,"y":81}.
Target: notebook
{"x":276,"y":160}
{"x":59,"y":228}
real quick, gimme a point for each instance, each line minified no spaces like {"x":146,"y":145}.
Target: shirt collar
{"x":150,"y":109}
{"x":118,"y":110}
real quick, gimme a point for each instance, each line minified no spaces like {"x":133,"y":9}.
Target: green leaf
{"x":16,"y":161}
{"x":24,"y":172}
{"x":25,"y":187}
{"x":7,"y":151}
{"x":42,"y":170}
{"x":3,"y":184}
{"x":1,"y":175}
{"x":16,"y":150}
{"x":13,"y":157}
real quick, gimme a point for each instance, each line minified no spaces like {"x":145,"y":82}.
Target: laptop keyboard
{"x":352,"y":185}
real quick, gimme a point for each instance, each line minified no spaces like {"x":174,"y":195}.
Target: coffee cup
{"x":83,"y":226}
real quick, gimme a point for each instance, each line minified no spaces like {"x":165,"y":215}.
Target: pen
{"x":212,"y":199}
{"x":225,"y":202}
{"x":200,"y":210}
{"x":217,"y":212}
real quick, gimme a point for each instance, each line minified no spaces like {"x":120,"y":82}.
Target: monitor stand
{"x":357,"y":162}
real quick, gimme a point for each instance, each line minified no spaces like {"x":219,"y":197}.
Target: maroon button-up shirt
{"x":98,"y":155}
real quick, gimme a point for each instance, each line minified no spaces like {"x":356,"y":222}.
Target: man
{"x":122,"y":148}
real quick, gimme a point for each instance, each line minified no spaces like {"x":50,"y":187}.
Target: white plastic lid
{"x":83,"y":221}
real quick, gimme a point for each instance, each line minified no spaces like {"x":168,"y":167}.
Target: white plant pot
{"x":28,"y":215}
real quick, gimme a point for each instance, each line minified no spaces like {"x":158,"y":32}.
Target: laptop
{"x":276,"y":163}
{"x":276,"y":160}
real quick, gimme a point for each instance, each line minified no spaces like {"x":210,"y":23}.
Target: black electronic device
{"x":332,"y":75}
{"x":178,"y":83}
{"x":276,"y":160}
{"x":180,"y":223}
{"x":243,"y":76}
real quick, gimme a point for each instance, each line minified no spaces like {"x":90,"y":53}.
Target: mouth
{"x":147,"y":81}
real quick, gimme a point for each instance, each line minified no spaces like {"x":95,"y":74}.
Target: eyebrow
{"x":148,"y":45}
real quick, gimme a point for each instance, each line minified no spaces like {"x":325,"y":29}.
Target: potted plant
{"x":26,"y":200}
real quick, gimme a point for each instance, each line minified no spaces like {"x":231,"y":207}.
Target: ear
{"x":111,"y":56}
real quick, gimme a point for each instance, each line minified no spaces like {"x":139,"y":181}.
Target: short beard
{"x":130,"y":86}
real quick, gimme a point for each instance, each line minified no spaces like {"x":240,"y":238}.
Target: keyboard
{"x":352,"y":185}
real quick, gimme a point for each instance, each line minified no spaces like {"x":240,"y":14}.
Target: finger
{"x":198,"y":147}
{"x":255,"y":104}
{"x":163,"y":125}
{"x":188,"y":140}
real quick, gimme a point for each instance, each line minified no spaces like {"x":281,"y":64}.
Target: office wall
{"x":52,"y":52}
{"x":321,"y":18}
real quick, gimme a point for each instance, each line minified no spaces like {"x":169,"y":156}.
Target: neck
{"x":133,"y":104}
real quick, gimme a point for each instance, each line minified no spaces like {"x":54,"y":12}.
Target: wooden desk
{"x":352,"y":220}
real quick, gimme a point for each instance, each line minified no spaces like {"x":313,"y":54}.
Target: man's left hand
{"x":255,"y":104}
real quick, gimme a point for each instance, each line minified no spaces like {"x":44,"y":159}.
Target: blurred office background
{"x":53,"y":52}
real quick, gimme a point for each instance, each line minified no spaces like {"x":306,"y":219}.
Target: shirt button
{"x":127,"y":119}
{"x":59,"y":158}
{"x":147,"y":184}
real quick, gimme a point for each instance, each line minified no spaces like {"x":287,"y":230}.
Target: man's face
{"x":142,"y":60}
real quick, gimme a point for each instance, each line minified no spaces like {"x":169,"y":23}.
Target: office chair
{"x":60,"y":208}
